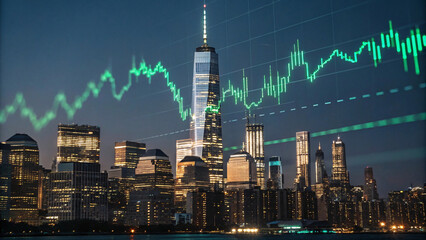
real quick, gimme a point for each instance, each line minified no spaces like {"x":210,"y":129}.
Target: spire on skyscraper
{"x":205,"y":25}
{"x":319,"y":145}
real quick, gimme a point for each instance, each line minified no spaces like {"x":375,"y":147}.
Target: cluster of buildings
{"x":141,"y":188}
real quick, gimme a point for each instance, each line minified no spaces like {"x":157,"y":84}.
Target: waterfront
{"x":230,"y":237}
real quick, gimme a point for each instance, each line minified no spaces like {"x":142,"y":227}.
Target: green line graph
{"x":274,"y":86}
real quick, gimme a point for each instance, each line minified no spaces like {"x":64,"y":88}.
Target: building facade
{"x":77,"y":191}
{"x":151,"y":202}
{"x":127,"y":154}
{"x":24,"y":161}
{"x":370,"y":186}
{"x":183,"y":149}
{"x":241,"y":171}
{"x":303,"y":169}
{"x":5,"y":180}
{"x":275,"y":172}
{"x":78,"y":143}
{"x":255,"y":147}
{"x":192,"y":175}
{"x":339,"y":186}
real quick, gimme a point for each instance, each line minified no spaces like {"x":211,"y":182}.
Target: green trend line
{"x":273,"y":86}
{"x":380,"y":123}
{"x":94,"y":89}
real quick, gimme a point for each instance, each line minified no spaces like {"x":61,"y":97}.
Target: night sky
{"x":47,"y":47}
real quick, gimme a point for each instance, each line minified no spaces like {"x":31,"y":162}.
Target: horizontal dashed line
{"x":379,"y":93}
{"x":366,"y":96}
{"x":327,"y":103}
{"x":340,"y":100}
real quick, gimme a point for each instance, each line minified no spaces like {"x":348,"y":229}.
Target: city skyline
{"x":357,"y":159}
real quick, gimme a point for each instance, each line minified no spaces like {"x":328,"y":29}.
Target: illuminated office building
{"x":192,"y":175}
{"x":207,"y":209}
{"x":183,"y":149}
{"x":407,"y":208}
{"x":303,"y":170}
{"x":24,"y":161}
{"x":78,"y":143}
{"x":206,"y":124}
{"x":276,"y":173}
{"x":77,"y":191}
{"x":119,"y":189}
{"x":5,"y":180}
{"x":339,"y":185}
{"x":241,"y":171}
{"x":127,"y":153}
{"x":154,"y":171}
{"x":152,"y":201}
{"x":255,"y":146}
{"x":370,"y":186}
{"x":78,"y":188}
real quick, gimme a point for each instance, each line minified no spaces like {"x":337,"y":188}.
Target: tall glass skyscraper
{"x":340,"y":185}
{"x":78,"y":189}
{"x":370,"y":186}
{"x":320,"y":172}
{"x":303,"y":174}
{"x":206,"y":124}
{"x":276,"y":172}
{"x":24,"y":161}
{"x":255,"y":146}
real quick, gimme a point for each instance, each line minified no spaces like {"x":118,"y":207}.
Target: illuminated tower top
{"x":205,"y":25}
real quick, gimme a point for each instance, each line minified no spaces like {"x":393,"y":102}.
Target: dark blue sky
{"x":52,"y":46}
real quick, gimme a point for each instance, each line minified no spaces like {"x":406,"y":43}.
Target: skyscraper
{"x":78,"y":189}
{"x":183,"y":149}
{"x":154,"y":171}
{"x":78,"y":143}
{"x":303,"y":170}
{"x":241,"y":171}
{"x":152,"y":201}
{"x":127,"y":153}
{"x":321,"y":185}
{"x":5,"y":180}
{"x":206,"y":124}
{"x":340,"y":177}
{"x":320,"y":172}
{"x":255,"y":146}
{"x":192,"y":175}
{"x":24,"y":161}
{"x":276,"y":172}
{"x":370,"y":186}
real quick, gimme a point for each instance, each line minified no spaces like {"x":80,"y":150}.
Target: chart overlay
{"x":274,"y":84}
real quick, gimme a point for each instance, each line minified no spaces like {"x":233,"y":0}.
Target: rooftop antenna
{"x":205,"y":25}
